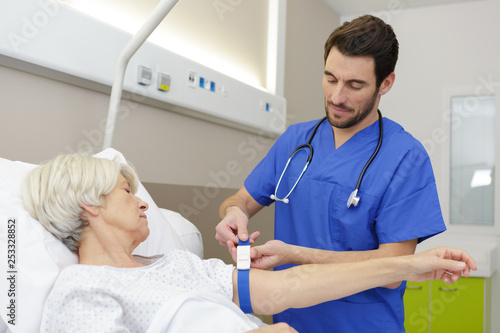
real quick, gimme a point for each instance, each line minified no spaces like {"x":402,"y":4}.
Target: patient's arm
{"x":303,"y":286}
{"x":275,"y":253}
{"x":276,"y":328}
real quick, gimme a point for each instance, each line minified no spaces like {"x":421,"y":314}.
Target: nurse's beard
{"x":356,"y":118}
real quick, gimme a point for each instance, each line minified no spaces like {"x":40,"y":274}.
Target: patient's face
{"x":125,"y":212}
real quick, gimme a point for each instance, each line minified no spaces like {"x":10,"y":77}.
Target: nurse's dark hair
{"x":367,"y":36}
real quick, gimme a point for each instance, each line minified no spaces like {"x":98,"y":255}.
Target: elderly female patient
{"x":89,"y":204}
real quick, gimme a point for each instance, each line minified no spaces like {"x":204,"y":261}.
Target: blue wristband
{"x":244,"y":286}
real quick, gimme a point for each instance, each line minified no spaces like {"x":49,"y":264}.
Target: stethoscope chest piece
{"x":353,"y":199}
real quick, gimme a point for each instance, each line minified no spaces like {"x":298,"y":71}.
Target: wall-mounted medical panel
{"x":48,"y":38}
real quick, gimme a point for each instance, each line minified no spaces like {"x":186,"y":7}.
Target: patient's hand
{"x":441,"y":263}
{"x":271,"y":254}
{"x":278,"y":328}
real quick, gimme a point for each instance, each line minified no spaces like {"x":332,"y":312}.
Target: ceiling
{"x":347,"y":7}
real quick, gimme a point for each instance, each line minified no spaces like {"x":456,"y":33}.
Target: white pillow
{"x":188,"y":233}
{"x":39,"y":256}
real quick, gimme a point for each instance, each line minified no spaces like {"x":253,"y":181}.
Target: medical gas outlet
{"x":144,"y":75}
{"x":163,"y":82}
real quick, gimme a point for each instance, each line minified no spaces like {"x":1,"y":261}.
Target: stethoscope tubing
{"x":353,"y":199}
{"x":375,"y":152}
{"x":309,"y":159}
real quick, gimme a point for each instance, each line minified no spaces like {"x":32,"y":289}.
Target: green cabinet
{"x":416,"y":302}
{"x":436,"y":307}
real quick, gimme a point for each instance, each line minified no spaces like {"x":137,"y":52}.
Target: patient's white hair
{"x":54,"y":191}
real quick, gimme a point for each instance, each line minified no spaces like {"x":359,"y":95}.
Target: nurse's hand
{"x":233,"y":226}
{"x":441,"y":263}
{"x":271,"y":254}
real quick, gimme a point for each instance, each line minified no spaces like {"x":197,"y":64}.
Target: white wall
{"x":309,"y":23}
{"x":43,"y":117}
{"x":446,"y":50}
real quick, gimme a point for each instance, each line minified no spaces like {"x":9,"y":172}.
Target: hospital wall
{"x":444,"y":51}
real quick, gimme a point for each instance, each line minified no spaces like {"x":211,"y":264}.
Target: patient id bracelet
{"x":243,"y":266}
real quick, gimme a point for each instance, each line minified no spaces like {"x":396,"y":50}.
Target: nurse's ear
{"x":387,"y":83}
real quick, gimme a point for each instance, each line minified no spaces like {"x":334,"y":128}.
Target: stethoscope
{"x":353,"y":198}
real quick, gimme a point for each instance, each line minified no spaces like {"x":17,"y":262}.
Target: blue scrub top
{"x":398,"y":202}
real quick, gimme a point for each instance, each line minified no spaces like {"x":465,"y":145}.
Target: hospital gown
{"x":176,"y":293}
{"x":398,"y":202}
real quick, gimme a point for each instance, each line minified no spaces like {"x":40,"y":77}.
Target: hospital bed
{"x":32,"y":257}
{"x":36,"y":256}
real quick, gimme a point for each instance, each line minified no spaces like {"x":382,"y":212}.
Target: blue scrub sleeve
{"x":410,"y":208}
{"x":261,"y":182}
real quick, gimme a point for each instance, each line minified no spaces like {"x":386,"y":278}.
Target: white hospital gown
{"x":177,"y":291}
